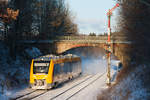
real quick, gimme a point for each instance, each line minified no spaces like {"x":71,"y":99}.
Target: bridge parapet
{"x":79,"y":39}
{"x":76,"y":38}
{"x":70,"y":40}
{"x":88,"y":38}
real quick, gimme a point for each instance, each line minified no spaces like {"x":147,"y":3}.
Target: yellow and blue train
{"x":49,"y":71}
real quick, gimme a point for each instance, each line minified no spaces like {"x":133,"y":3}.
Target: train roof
{"x":50,"y":56}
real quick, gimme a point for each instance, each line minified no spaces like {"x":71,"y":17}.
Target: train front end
{"x":41,"y":74}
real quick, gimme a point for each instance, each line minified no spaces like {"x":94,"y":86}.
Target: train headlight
{"x":39,"y":83}
{"x":35,"y":82}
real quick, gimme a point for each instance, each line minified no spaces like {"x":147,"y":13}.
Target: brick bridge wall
{"x":119,"y":49}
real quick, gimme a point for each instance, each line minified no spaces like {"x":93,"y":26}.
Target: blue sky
{"x":90,"y":15}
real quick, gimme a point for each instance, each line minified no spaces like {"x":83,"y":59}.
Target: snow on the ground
{"x":33,"y":52}
{"x":94,"y":66}
{"x":92,"y":91}
{"x":14,"y":74}
{"x":130,"y":88}
{"x":133,"y":88}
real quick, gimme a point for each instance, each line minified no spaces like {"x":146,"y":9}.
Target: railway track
{"x":30,"y":95}
{"x":63,"y":93}
{"x":85,"y":86}
{"x":71,"y":92}
{"x":18,"y":97}
{"x":71,"y":88}
{"x":54,"y":96}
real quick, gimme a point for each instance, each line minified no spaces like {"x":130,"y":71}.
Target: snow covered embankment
{"x":14,"y":74}
{"x":130,"y":88}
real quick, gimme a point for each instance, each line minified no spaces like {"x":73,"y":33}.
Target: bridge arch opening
{"x":86,"y":51}
{"x":93,"y":58}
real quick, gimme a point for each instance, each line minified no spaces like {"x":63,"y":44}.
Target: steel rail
{"x":72,"y":87}
{"x":85,"y":86}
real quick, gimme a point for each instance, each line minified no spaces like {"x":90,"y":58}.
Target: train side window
{"x":70,"y":66}
{"x":65,"y":68}
{"x":56,"y":69}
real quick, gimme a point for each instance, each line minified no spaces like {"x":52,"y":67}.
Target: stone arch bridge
{"x":61,"y":44}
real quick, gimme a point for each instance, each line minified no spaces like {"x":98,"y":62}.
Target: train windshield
{"x":41,"y":67}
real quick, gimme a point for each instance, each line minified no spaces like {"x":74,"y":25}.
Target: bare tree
{"x":135,"y":24}
{"x":57,"y":19}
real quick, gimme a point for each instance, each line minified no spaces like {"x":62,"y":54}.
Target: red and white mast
{"x":109,"y":14}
